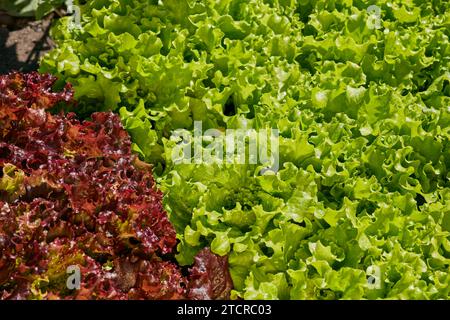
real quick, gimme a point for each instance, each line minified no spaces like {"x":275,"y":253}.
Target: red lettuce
{"x":209,"y":277}
{"x":72,"y":193}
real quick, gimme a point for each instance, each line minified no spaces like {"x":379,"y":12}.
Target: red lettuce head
{"x":73,"y":194}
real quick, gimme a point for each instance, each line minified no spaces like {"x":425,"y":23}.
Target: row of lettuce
{"x":360,"y":207}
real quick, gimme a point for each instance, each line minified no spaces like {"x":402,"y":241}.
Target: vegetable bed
{"x":359,"y":92}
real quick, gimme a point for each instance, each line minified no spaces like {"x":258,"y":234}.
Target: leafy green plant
{"x":362,"y":109}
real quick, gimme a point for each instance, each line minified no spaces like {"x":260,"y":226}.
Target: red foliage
{"x":209,"y":277}
{"x":85,"y":200}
